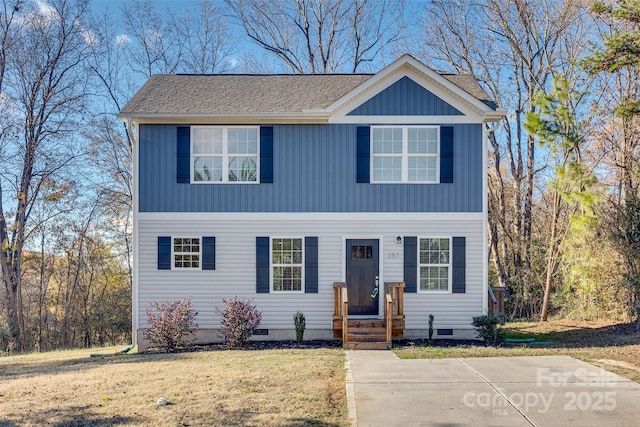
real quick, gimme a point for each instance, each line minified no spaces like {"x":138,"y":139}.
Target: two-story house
{"x":288,"y":188}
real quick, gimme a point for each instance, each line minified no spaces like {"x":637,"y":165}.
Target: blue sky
{"x":245,"y":46}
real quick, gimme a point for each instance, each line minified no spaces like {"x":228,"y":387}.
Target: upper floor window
{"x":224,"y":154}
{"x":405,"y":154}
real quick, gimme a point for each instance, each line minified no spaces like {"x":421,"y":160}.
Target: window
{"x":405,"y":154}
{"x":186,"y":252}
{"x":287,"y":263}
{"x":224,"y":154}
{"x":361,"y":252}
{"x":435,"y":264}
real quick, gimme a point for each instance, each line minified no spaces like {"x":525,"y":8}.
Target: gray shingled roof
{"x":256,"y":94}
{"x":469,"y":84}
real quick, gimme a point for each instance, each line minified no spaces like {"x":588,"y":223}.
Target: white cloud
{"x":45,"y":9}
{"x":122,"y":40}
{"x":90,"y":38}
{"x":233,"y":62}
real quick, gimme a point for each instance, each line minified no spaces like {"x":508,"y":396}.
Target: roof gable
{"x":461,"y":91}
{"x":405,"y":97}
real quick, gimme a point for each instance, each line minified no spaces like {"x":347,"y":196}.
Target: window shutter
{"x":446,"y":154}
{"x":208,"y":253}
{"x":183,"y":159}
{"x":459,"y":260}
{"x":411,"y":264}
{"x":164,"y":253}
{"x":311,"y":265}
{"x":262,"y":265}
{"x":266,"y":154}
{"x":363,"y":141}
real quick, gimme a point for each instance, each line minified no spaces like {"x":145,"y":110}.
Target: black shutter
{"x":266,"y":154}
{"x":459,"y":260}
{"x":363,"y":175}
{"x":183,"y":155}
{"x":262,"y":265}
{"x":446,"y":154}
{"x":311,"y":265}
{"x":208,"y":253}
{"x":411,"y":264}
{"x":164,"y":253}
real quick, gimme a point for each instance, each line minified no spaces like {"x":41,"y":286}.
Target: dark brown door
{"x":362,"y":275}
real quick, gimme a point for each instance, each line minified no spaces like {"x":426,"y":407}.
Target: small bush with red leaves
{"x":172,"y":324}
{"x":239,"y":321}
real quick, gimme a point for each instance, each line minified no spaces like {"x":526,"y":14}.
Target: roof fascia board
{"x":409,"y":120}
{"x":257,"y":120}
{"x":160,"y":118}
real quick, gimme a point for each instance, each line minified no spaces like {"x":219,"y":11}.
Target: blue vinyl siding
{"x":314,"y":170}
{"x":405,"y":98}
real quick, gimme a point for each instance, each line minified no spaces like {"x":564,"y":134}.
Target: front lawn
{"x":254,"y":387}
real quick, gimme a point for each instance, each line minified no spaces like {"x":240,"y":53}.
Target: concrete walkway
{"x":383,"y":390}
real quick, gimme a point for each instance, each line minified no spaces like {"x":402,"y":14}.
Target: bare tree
{"x":157,"y":48}
{"x":48,"y":86}
{"x":322,"y":36}
{"x":617,"y":61}
{"x":514,"y":47}
{"x":209,"y":42}
{"x":193,"y":41}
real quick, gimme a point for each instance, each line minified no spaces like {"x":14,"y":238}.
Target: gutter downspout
{"x":130,"y":127}
{"x":485,"y":208}
{"x":132,"y":132}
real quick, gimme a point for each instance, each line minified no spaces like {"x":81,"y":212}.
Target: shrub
{"x":172,"y":324}
{"x":5,"y":337}
{"x":239,"y":321}
{"x":430,"y":326}
{"x":487,"y":328}
{"x":300,"y":322}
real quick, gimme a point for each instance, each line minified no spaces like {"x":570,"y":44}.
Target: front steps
{"x":367,"y":334}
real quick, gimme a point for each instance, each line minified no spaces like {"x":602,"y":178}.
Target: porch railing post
{"x":395,"y":292}
{"x":388,"y":316}
{"x":345,"y":316}
{"x":340,"y":311}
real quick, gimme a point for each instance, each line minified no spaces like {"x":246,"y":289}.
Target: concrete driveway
{"x":500,"y":391}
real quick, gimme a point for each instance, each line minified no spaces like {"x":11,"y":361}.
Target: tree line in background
{"x":564,"y":208}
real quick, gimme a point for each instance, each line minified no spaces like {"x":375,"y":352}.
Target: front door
{"x":362,"y":276}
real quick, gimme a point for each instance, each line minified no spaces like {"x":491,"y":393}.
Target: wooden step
{"x":367,"y":323}
{"x":367,"y":334}
{"x":366,"y":338}
{"x":372,"y":330}
{"x":368,"y":346}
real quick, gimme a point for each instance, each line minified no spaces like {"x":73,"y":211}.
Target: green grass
{"x":615,"y":347}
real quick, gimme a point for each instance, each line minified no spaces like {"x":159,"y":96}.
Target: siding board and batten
{"x":328,"y":184}
{"x":405,"y":98}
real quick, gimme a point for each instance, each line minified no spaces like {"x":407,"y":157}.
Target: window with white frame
{"x":224,"y":154}
{"x":435,"y":264}
{"x":287,"y":262}
{"x":405,"y":154}
{"x":186,"y":252}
